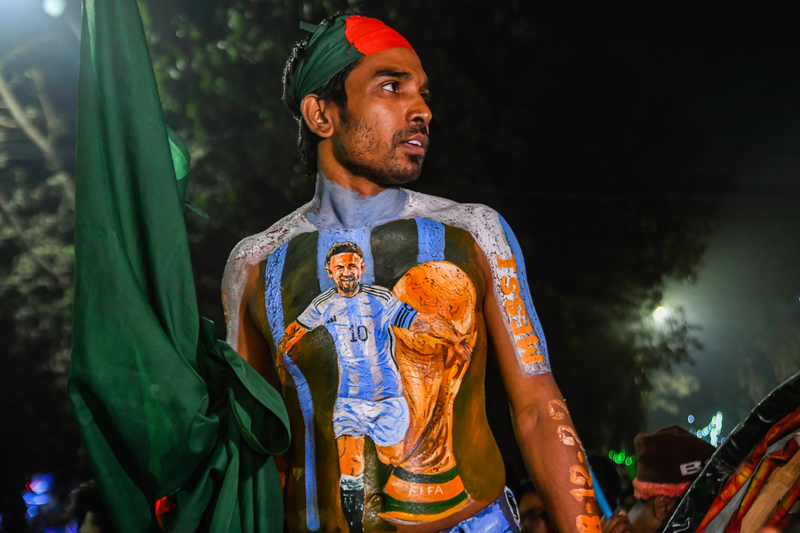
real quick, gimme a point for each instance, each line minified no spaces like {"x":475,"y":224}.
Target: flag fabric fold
{"x":165,"y":408}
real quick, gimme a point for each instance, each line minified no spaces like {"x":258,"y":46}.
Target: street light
{"x":54,"y":8}
{"x":660,"y":312}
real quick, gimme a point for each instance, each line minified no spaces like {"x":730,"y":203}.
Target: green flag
{"x":165,"y":409}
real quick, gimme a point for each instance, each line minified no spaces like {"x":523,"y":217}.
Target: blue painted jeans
{"x":500,"y":517}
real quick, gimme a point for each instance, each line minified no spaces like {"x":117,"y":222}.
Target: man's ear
{"x":328,"y":270}
{"x":316,"y":113}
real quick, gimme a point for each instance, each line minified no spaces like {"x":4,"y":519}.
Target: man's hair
{"x":334,"y":91}
{"x":84,"y":498}
{"x":343,"y":248}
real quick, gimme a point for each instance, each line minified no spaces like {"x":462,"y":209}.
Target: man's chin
{"x":398,"y":176}
{"x":404,"y":169}
{"x":350,"y":288}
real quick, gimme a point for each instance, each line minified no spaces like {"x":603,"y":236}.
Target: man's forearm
{"x":558,"y":466}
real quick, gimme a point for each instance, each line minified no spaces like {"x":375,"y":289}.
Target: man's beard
{"x":387,"y":171}
{"x":348,"y":284}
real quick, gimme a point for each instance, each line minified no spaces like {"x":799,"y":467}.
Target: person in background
{"x":87,"y":510}
{"x":532,"y":514}
{"x":667,"y":463}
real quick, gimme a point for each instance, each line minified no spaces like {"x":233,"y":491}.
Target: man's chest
{"x":297,"y":279}
{"x":380,"y":339}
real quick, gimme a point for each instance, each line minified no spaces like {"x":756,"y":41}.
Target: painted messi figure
{"x":374,"y":308}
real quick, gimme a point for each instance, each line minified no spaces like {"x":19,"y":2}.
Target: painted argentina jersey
{"x":378,"y":339}
{"x":361,"y":329}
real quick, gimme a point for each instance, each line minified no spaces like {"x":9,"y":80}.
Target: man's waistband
{"x":500,"y":517}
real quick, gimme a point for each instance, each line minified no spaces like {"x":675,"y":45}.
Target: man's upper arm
{"x":398,"y":313}
{"x":311,"y":317}
{"x":514,"y":328}
{"x":239,"y":283}
{"x":511,"y":316}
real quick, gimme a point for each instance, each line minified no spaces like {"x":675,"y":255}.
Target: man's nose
{"x":419,"y":112}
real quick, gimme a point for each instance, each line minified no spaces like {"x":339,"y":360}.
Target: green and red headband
{"x":337,"y":44}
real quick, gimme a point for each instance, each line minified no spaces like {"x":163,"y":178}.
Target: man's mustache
{"x":401,"y":135}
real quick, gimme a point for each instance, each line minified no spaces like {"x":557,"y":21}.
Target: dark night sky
{"x":736,"y":73}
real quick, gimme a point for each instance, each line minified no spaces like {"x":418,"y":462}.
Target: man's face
{"x":383,"y":133}
{"x":346,"y":271}
{"x":532,"y":515}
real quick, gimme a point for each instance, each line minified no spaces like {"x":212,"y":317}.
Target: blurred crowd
{"x":668,"y":461}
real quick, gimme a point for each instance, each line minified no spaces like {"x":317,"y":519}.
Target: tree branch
{"x":33,"y":133}
{"x":54,"y":126}
{"x":50,"y":116}
{"x":8,"y":212}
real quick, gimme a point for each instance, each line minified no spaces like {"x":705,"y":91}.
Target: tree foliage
{"x":36,"y":257}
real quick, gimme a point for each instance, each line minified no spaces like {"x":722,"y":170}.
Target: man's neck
{"x":353,"y":203}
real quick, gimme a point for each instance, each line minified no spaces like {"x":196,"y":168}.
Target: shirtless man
{"x":359,"y":92}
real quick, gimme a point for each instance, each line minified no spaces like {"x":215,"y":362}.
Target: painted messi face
{"x":346,"y":271}
{"x":383,"y":135}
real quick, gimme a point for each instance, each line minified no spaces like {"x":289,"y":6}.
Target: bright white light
{"x":660,"y":312}
{"x":713,"y":430}
{"x":54,"y":8}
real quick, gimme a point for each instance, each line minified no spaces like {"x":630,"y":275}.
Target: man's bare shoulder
{"x":254,"y":249}
{"x":243,"y":263}
{"x":480,"y":220}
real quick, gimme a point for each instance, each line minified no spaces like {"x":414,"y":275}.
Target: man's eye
{"x":426,"y":96}
{"x":392,"y":86}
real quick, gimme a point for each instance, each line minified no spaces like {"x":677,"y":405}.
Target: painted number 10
{"x":362,"y":332}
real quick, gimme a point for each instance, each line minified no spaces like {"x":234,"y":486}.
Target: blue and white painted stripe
{"x":273,"y":299}
{"x":307,"y":409}
{"x":525,"y":293}
{"x":274,"y":306}
{"x":430,"y":240}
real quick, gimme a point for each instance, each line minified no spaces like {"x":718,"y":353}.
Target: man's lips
{"x":417,"y":144}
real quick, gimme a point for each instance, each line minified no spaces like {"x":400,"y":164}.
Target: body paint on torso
{"x":411,"y":449}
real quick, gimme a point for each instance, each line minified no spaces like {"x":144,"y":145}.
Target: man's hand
{"x":618,"y":524}
{"x":435,"y":326}
{"x":293,"y":334}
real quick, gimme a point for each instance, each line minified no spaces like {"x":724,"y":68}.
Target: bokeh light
{"x":54,"y":8}
{"x":713,"y":430}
